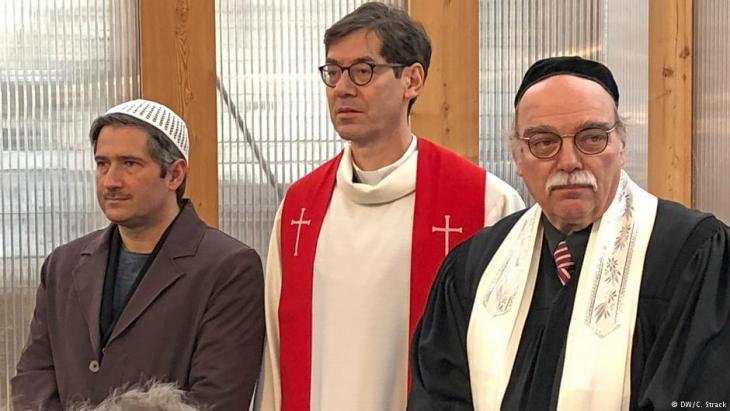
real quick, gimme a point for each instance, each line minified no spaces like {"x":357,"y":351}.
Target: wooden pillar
{"x":670,"y":99}
{"x":177,"y":53}
{"x":447,"y":111}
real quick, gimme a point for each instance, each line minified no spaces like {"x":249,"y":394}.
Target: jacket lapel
{"x":88,"y":281}
{"x":162,"y":273}
{"x":183,"y":240}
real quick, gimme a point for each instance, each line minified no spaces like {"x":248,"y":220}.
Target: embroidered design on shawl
{"x":609,"y":279}
{"x":505,"y":284}
{"x":611,"y":275}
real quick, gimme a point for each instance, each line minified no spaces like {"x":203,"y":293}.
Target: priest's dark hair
{"x":162,"y":150}
{"x":404,"y":41}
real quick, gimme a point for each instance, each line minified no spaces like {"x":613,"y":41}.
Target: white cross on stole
{"x":299,"y":223}
{"x":446,"y":230}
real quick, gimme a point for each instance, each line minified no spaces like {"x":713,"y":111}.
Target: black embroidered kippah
{"x":574,"y":66}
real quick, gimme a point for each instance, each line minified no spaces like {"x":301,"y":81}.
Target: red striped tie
{"x":564,"y":262}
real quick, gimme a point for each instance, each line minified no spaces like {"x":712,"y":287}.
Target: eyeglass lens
{"x":588,"y":141}
{"x":360,"y":73}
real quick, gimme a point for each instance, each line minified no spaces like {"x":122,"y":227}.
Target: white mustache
{"x":561,"y":178}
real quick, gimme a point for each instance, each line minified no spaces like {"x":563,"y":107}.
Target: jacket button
{"x":94,"y":366}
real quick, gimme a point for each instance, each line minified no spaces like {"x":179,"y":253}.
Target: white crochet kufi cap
{"x":159,"y":116}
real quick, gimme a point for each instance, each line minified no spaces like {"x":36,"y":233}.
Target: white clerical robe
{"x":361,"y":291}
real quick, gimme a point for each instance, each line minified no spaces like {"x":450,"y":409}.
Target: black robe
{"x":681,"y":343}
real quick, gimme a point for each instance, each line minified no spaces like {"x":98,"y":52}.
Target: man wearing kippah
{"x":599,"y":297}
{"x":157,"y":295}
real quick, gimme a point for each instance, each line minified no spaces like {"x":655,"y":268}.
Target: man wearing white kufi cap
{"x":155,"y":295}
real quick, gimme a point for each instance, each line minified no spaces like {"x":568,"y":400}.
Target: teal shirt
{"x":129,"y":267}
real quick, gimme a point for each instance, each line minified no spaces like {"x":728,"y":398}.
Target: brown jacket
{"x":196,"y":318}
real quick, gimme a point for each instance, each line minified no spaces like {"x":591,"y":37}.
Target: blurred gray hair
{"x":510,"y":136}
{"x":150,"y":397}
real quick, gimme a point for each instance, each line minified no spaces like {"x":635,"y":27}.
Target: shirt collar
{"x":577,"y":241}
{"x":376,"y":176}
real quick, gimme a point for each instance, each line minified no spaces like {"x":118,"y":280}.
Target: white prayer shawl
{"x":358,"y":269}
{"x":596,"y":370}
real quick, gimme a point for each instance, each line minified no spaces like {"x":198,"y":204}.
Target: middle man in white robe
{"x":357,"y":243}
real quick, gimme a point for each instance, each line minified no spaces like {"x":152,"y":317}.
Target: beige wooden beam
{"x":447,"y":112}
{"x":670,"y":99}
{"x":177,"y":42}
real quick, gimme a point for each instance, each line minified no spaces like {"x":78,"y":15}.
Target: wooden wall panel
{"x":177,"y":41}
{"x":447,"y":111}
{"x":670,"y":99}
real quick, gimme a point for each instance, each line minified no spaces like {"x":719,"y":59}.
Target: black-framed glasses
{"x":546,"y":145}
{"x":360,"y":73}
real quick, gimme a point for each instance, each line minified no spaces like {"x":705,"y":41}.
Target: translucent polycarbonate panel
{"x":515,"y":33}
{"x":273,"y":125}
{"x":626,"y":45}
{"x":62,"y":63}
{"x":711,"y":107}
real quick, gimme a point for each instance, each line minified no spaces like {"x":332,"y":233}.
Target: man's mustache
{"x":561,"y":179}
{"x":114,"y":195}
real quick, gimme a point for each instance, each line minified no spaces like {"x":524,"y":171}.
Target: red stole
{"x":449,"y":194}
